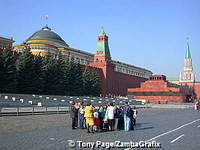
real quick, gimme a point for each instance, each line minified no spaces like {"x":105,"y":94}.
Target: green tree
{"x":91,"y":83}
{"x":96,"y":84}
{"x":38,"y":74}
{"x":1,"y":67}
{"x":60,"y":75}
{"x":49,"y":78}
{"x":86,"y":83}
{"x":7,"y":71}
{"x":54,"y":75}
{"x":25,"y":72}
{"x":1,"y":71}
{"x":66,"y":78}
{"x":74,"y":78}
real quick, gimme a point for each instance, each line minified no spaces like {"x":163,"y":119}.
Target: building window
{"x":78,"y":60}
{"x":82,"y":61}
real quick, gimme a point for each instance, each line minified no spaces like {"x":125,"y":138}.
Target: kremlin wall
{"x":118,"y":78}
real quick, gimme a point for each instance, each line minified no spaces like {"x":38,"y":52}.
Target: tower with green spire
{"x":102,"y":60}
{"x":102,"y":50}
{"x":187,"y":54}
{"x":187,"y":75}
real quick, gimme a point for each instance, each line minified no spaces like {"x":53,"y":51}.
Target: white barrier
{"x":21,"y":100}
{"x":143,"y":101}
{"x":39,"y":104}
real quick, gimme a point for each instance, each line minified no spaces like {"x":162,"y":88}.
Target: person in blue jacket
{"x":128,"y":114}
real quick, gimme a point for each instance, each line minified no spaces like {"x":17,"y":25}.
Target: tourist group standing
{"x":104,"y":118}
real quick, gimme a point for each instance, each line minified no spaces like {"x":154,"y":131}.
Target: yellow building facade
{"x":5,"y":42}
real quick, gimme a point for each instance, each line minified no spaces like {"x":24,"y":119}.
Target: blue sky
{"x":146,"y":33}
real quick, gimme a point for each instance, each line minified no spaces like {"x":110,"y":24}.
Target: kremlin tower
{"x":102,"y":51}
{"x":187,"y":75}
{"x":113,"y":82}
{"x":102,"y":59}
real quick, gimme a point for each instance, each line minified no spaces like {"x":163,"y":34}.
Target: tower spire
{"x":102,"y":51}
{"x":187,"y":75}
{"x":102,"y":31}
{"x":188,"y":54}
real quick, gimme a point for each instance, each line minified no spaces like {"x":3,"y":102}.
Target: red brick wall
{"x":116,"y":83}
{"x":196,"y":87}
{"x":197,"y":90}
{"x":162,"y":99}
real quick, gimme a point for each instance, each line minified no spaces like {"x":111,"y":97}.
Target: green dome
{"x":46,"y":34}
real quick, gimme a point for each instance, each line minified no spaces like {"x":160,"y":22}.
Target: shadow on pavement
{"x":139,"y":126}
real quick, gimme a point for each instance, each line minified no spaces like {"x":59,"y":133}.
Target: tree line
{"x":33,"y":74}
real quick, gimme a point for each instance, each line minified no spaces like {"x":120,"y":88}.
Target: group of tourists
{"x":104,"y":118}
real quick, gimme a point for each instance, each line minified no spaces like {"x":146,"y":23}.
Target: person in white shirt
{"x":135,"y":112}
{"x":110,"y":116}
{"x":195,"y":105}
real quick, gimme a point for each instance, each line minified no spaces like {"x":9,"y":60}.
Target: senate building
{"x":47,"y":41}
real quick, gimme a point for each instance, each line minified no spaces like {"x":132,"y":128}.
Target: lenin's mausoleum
{"x":159,"y":89}
{"x":118,"y":78}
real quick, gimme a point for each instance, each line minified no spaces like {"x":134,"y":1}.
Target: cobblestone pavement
{"x":52,"y":132}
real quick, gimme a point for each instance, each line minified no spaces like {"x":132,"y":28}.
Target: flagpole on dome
{"x":46,"y":17}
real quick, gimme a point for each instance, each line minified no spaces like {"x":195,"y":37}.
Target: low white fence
{"x":31,"y":110}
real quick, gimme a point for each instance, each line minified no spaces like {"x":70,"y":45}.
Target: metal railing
{"x":17,"y":111}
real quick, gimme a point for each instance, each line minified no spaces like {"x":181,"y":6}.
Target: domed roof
{"x":46,"y":34}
